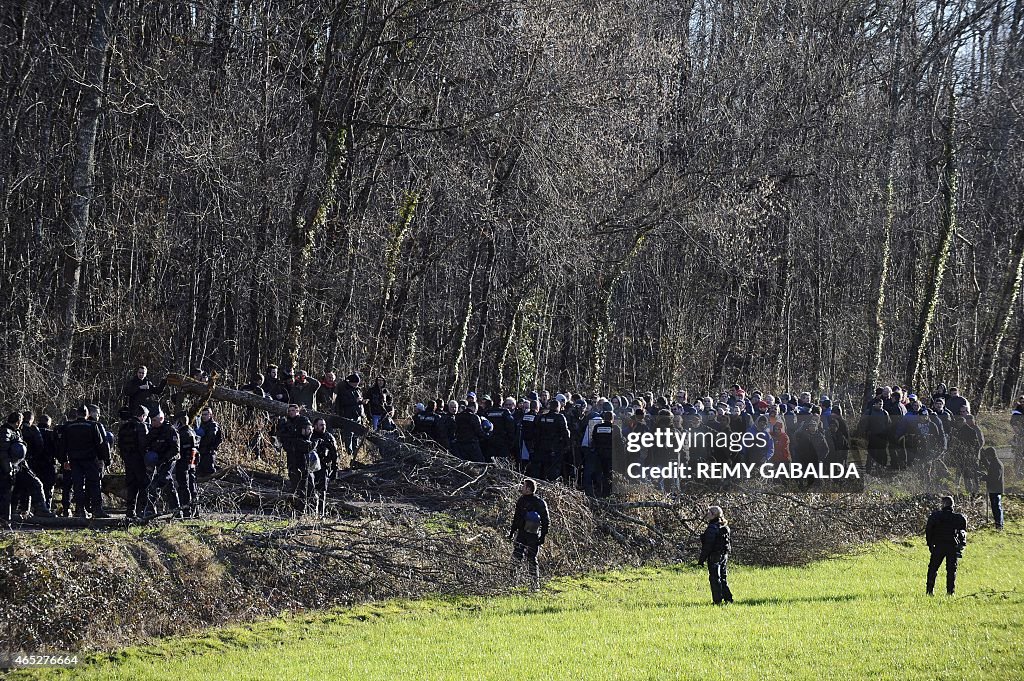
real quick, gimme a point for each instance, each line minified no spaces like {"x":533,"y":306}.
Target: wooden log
{"x":271,"y":406}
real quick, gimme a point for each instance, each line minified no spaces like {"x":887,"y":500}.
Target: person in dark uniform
{"x":28,"y":487}
{"x":605,"y":441}
{"x":85,"y":448}
{"x":185,"y":468}
{"x":530,"y":524}
{"x":469,"y":433}
{"x":503,"y":436}
{"x":552,"y":433}
{"x":446,"y":425}
{"x":527,"y":458}
{"x":946,"y":534}
{"x":163,"y":449}
{"x":45,"y":466}
{"x":131,"y":444}
{"x":714,"y":549}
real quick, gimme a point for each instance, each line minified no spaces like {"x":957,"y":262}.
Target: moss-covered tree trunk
{"x":993,"y":341}
{"x":947,"y":226}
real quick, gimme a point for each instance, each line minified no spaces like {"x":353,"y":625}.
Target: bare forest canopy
{"x":505,"y":194}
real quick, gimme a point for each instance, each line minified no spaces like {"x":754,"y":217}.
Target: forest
{"x":603,"y":196}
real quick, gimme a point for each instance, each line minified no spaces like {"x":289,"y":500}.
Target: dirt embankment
{"x":430,"y":524}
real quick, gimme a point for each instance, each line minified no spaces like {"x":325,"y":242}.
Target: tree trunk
{"x":1001,"y":321}
{"x":878,"y":328}
{"x":933,"y":282}
{"x":82,"y":191}
{"x":312,"y":204}
{"x":208,"y":391}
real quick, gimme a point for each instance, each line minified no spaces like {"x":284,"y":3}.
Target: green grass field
{"x":856,"y":617}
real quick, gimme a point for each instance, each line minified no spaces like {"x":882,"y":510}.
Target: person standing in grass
{"x":715,"y":545}
{"x":529,"y":528}
{"x":946,"y":534}
{"x":993,"y":468}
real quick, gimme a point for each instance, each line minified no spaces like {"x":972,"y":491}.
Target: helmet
{"x":486,"y":425}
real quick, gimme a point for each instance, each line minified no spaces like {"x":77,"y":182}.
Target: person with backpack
{"x":946,"y":534}
{"x":714,"y":549}
{"x":530,"y":524}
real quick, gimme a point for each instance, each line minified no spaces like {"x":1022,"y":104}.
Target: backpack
{"x":531,"y":522}
{"x":312,"y":462}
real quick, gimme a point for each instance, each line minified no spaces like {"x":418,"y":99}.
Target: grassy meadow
{"x":863,"y":616}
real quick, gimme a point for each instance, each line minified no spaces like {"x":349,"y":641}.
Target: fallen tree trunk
{"x":247,"y":399}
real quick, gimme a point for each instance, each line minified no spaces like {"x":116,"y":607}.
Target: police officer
{"x":28,"y":488}
{"x":85,"y":446}
{"x":15,"y":475}
{"x":552,"y":440}
{"x":163,"y":449}
{"x":597,"y":468}
{"x":503,"y":435}
{"x":468,"y":434}
{"x":527,"y":459}
{"x":714,"y":548}
{"x":946,"y":534}
{"x":446,"y":426}
{"x":132,"y":437}
{"x":46,"y":463}
{"x":529,"y":529}
{"x":185,"y":467}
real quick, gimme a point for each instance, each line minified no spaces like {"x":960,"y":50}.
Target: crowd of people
{"x":561,"y":436}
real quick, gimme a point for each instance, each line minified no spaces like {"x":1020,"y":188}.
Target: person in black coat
{"x":993,"y":468}
{"x":714,"y":549}
{"x":348,"y":402}
{"x":84,"y":447}
{"x":552,"y":440}
{"x":530,"y":524}
{"x":163,"y":449}
{"x":946,"y":534}
{"x":469,"y":433}
{"x":141,"y":390}
{"x":132,"y":437}
{"x":210,"y":437}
